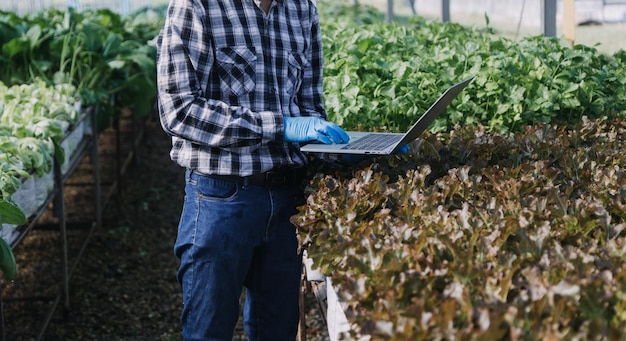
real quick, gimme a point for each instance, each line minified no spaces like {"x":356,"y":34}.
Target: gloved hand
{"x":405,"y":148}
{"x":352,"y":159}
{"x":305,"y":129}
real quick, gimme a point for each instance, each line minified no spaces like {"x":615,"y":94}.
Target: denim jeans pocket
{"x":216,"y":189}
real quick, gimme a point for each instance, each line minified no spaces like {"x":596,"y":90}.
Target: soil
{"x":122,"y":283}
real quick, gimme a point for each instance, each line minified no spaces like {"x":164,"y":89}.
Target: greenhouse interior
{"x":502,"y":219}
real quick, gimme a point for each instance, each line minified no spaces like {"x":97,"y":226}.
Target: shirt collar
{"x":258,"y":2}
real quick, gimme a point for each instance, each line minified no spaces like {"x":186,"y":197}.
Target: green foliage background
{"x":106,"y":56}
{"x":384,"y":76}
{"x":106,"y":60}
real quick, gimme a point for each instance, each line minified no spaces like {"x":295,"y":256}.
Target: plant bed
{"x":39,"y":254}
{"x":479,"y":236}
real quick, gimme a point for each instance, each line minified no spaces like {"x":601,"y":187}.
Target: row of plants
{"x":381,"y":76}
{"x":479,"y":235}
{"x":54,"y":63}
{"x":35,"y":119}
{"x":506,"y":221}
{"x":107,"y":57}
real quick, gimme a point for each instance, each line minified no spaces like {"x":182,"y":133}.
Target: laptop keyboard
{"x":374,"y":142}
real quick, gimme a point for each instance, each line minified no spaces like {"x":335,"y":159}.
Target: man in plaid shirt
{"x":240,"y":87}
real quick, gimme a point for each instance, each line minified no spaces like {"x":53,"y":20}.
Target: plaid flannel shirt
{"x":228,"y":72}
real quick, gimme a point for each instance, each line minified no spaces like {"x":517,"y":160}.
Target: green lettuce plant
{"x":382,"y":76}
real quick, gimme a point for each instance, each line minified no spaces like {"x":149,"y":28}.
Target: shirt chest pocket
{"x":236,"y":69}
{"x":295,"y":72}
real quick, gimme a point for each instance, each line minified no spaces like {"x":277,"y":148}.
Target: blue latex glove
{"x":352,"y":159}
{"x":405,"y":148}
{"x":306,"y":129}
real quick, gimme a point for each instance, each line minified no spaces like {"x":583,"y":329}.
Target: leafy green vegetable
{"x":97,"y":51}
{"x":7,"y":261}
{"x":381,"y":76}
{"x":10,"y":213}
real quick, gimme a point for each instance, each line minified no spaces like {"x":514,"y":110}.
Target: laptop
{"x":379,"y":143}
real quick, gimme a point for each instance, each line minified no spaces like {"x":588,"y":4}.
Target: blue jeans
{"x":233,"y":235}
